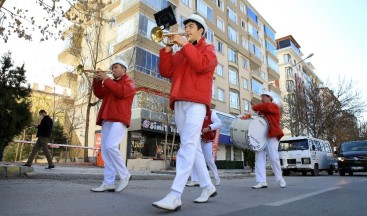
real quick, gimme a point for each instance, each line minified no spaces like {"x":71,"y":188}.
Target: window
{"x":112,"y":22}
{"x":220,"y":94}
{"x":246,"y":105}
{"x":145,"y":25}
{"x":220,"y":24}
{"x":232,"y":15}
{"x":219,"y":46}
{"x":272,"y":64}
{"x":243,"y":24}
{"x":110,"y":48}
{"x":290,"y":85}
{"x":244,"y":43}
{"x":233,"y":100}
{"x":257,"y":87}
{"x":156,"y":5}
{"x":269,"y":32}
{"x":232,"y":55}
{"x":245,"y":63}
{"x":263,"y":75}
{"x":234,"y":2}
{"x":256,"y":50}
{"x":187,"y":3}
{"x":289,"y":72}
{"x":220,"y":4}
{"x":205,"y":10}
{"x":233,"y":76}
{"x":232,"y":34}
{"x":213,"y":89}
{"x":252,"y":15}
{"x":182,"y":20}
{"x":210,"y":35}
{"x":287,"y":58}
{"x":271,"y":48}
{"x":245,"y":84}
{"x":219,"y":70}
{"x":129,"y":28}
{"x":253,"y":31}
{"x":242,"y":7}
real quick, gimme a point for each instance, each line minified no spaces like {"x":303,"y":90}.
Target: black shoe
{"x":50,"y":167}
{"x":25,"y":165}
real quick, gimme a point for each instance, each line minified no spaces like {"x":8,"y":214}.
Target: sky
{"x":333,"y":30}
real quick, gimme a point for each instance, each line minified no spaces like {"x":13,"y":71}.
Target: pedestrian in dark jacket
{"x":43,"y":134}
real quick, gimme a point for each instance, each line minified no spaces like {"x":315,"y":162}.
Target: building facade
{"x":293,"y":68}
{"x":248,"y":65}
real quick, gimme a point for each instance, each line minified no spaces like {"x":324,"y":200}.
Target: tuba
{"x":158,"y":35}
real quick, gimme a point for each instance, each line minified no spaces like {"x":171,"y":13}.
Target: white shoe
{"x":207,"y":192}
{"x":104,"y":188}
{"x":123,"y":183}
{"x":282,"y":183}
{"x":260,"y":185}
{"x":192,"y":184}
{"x":170,"y":202}
{"x":217,"y":181}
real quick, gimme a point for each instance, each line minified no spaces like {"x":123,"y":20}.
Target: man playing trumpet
{"x":114,"y":116}
{"x":191,"y":71}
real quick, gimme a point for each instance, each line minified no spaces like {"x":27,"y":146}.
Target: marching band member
{"x":210,"y":124}
{"x":270,"y":109}
{"x":191,"y":71}
{"x":114,"y":116}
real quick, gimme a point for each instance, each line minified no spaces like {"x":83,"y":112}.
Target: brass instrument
{"x":158,"y":35}
{"x":80,"y":70}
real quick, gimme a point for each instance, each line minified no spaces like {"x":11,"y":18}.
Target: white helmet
{"x":121,"y":62}
{"x":197,"y":18}
{"x":274,"y":97}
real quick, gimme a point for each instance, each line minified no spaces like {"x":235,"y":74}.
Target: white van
{"x":305,"y":154}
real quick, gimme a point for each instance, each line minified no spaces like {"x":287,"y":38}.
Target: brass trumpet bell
{"x":158,"y":35}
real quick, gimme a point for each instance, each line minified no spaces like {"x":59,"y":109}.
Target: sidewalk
{"x":88,"y":171}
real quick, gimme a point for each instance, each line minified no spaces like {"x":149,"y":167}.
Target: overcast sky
{"x":334,"y":30}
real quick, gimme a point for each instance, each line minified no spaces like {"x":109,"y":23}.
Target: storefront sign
{"x":156,"y":126}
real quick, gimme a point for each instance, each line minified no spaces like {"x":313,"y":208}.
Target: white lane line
{"x":304,"y":196}
{"x":362,"y":180}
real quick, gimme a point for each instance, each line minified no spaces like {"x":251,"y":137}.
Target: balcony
{"x":272,"y":74}
{"x":70,"y":55}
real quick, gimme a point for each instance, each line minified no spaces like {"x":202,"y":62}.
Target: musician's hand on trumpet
{"x":179,"y":39}
{"x":101,"y":75}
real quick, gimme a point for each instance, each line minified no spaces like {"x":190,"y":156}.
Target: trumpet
{"x":158,"y":36}
{"x":80,"y":70}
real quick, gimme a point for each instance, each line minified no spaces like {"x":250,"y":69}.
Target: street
{"x":304,"y":195}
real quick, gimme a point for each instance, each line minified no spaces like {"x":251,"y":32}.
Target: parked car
{"x":352,"y":157}
{"x":306,"y":154}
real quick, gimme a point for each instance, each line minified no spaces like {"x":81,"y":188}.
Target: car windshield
{"x":291,"y":145}
{"x":354,"y":146}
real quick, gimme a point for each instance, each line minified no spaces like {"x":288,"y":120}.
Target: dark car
{"x":352,"y":157}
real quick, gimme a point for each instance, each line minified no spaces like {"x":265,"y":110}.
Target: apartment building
{"x":293,"y":68}
{"x":248,"y":65}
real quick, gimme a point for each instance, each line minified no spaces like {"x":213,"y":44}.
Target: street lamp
{"x":309,"y":56}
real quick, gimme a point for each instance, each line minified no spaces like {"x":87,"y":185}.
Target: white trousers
{"x":207,"y":149}
{"x":112,"y":134}
{"x":260,"y":161}
{"x":189,"y":119}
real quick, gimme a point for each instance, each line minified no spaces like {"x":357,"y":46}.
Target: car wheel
{"x":315,"y":171}
{"x":285,"y":172}
{"x":331,"y":170}
{"x":350,"y":173}
{"x":341,"y":173}
{"x":304,"y":173}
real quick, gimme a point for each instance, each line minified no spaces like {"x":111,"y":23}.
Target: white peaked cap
{"x":273,"y":96}
{"x":197,"y":18}
{"x":119,"y":61}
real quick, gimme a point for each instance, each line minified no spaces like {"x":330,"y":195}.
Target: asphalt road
{"x":304,"y":195}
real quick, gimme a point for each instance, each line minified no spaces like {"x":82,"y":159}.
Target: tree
{"x":15,"y":112}
{"x":23,"y":19}
{"x":324,"y":112}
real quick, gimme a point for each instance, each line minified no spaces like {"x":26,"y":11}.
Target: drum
{"x":250,"y":133}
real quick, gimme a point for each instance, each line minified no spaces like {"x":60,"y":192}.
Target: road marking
{"x":304,"y":196}
{"x":362,"y":180}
